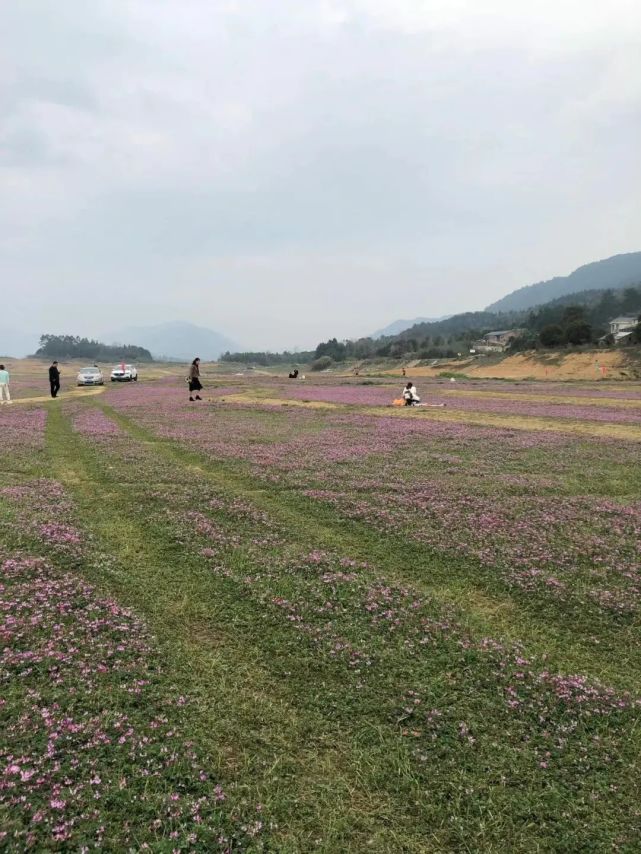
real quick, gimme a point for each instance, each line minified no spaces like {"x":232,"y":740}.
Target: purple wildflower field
{"x":503,"y":515}
{"x":71,"y":761}
{"x":437,"y":394}
{"x":244,"y":625}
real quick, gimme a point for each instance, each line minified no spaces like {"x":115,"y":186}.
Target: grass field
{"x":291,"y":618}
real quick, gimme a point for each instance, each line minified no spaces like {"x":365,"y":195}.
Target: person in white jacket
{"x":410,"y":395}
{"x":4,"y":385}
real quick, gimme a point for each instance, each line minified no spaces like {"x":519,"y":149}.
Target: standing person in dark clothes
{"x":54,"y":379}
{"x":194,"y":379}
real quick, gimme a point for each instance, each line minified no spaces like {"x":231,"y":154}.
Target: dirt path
{"x":46,"y":398}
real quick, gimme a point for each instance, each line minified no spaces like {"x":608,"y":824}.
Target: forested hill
{"x":599,"y":307}
{"x":575,"y":319}
{"x":616,"y":272}
{"x":460,"y":323}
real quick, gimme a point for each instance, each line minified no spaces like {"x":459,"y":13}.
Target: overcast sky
{"x":287,"y":170}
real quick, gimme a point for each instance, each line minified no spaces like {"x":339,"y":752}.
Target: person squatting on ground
{"x":410,"y":395}
{"x":194,"y":379}
{"x":54,"y":379}
{"x":4,"y":385}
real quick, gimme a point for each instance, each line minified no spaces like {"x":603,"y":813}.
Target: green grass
{"x":332,"y":746}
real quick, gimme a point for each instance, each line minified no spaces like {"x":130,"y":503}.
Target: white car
{"x":124,"y":374}
{"x":90,"y":376}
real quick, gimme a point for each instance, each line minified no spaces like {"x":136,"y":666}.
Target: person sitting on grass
{"x":410,"y":395}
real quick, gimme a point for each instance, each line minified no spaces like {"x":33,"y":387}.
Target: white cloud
{"x":546,"y":24}
{"x":312,"y":148}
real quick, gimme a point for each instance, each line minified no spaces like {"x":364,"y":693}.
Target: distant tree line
{"x":74,"y":347}
{"x":265,"y":358}
{"x":574,"y":320}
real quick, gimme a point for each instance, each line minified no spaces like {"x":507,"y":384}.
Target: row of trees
{"x":559,"y":324}
{"x":596,"y":309}
{"x":74,"y":347}
{"x":438,"y":346}
{"x":266,"y":358}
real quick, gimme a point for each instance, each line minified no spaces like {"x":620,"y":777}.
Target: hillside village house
{"x":497,"y":342}
{"x":622,"y":327}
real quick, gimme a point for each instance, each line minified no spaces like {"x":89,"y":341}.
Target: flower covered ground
{"x":254,"y":625}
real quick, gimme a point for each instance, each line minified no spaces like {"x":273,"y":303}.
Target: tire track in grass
{"x":314,"y":776}
{"x":485,"y":611}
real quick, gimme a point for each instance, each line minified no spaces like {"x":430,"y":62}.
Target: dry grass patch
{"x":610,"y":402}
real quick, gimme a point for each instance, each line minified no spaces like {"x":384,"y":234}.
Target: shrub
{"x":526,"y":341}
{"x":322,"y":364}
{"x":552,"y":335}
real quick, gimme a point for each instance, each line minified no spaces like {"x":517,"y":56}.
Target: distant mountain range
{"x":616,"y":272}
{"x":177,"y":340}
{"x":182,"y":341}
{"x":611,"y":273}
{"x":399,"y":326}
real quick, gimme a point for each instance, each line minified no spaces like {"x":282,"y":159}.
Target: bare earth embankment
{"x":591,"y":365}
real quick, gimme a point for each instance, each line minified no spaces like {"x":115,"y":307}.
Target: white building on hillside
{"x":497,"y":342}
{"x":622,"y":327}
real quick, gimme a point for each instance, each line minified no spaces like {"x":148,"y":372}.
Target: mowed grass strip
{"x":342,"y":755}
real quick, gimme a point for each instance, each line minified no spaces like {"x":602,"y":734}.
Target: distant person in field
{"x":4,"y":385}
{"x":410,"y":395}
{"x":194,"y":380}
{"x":293,"y":375}
{"x":54,"y":379}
